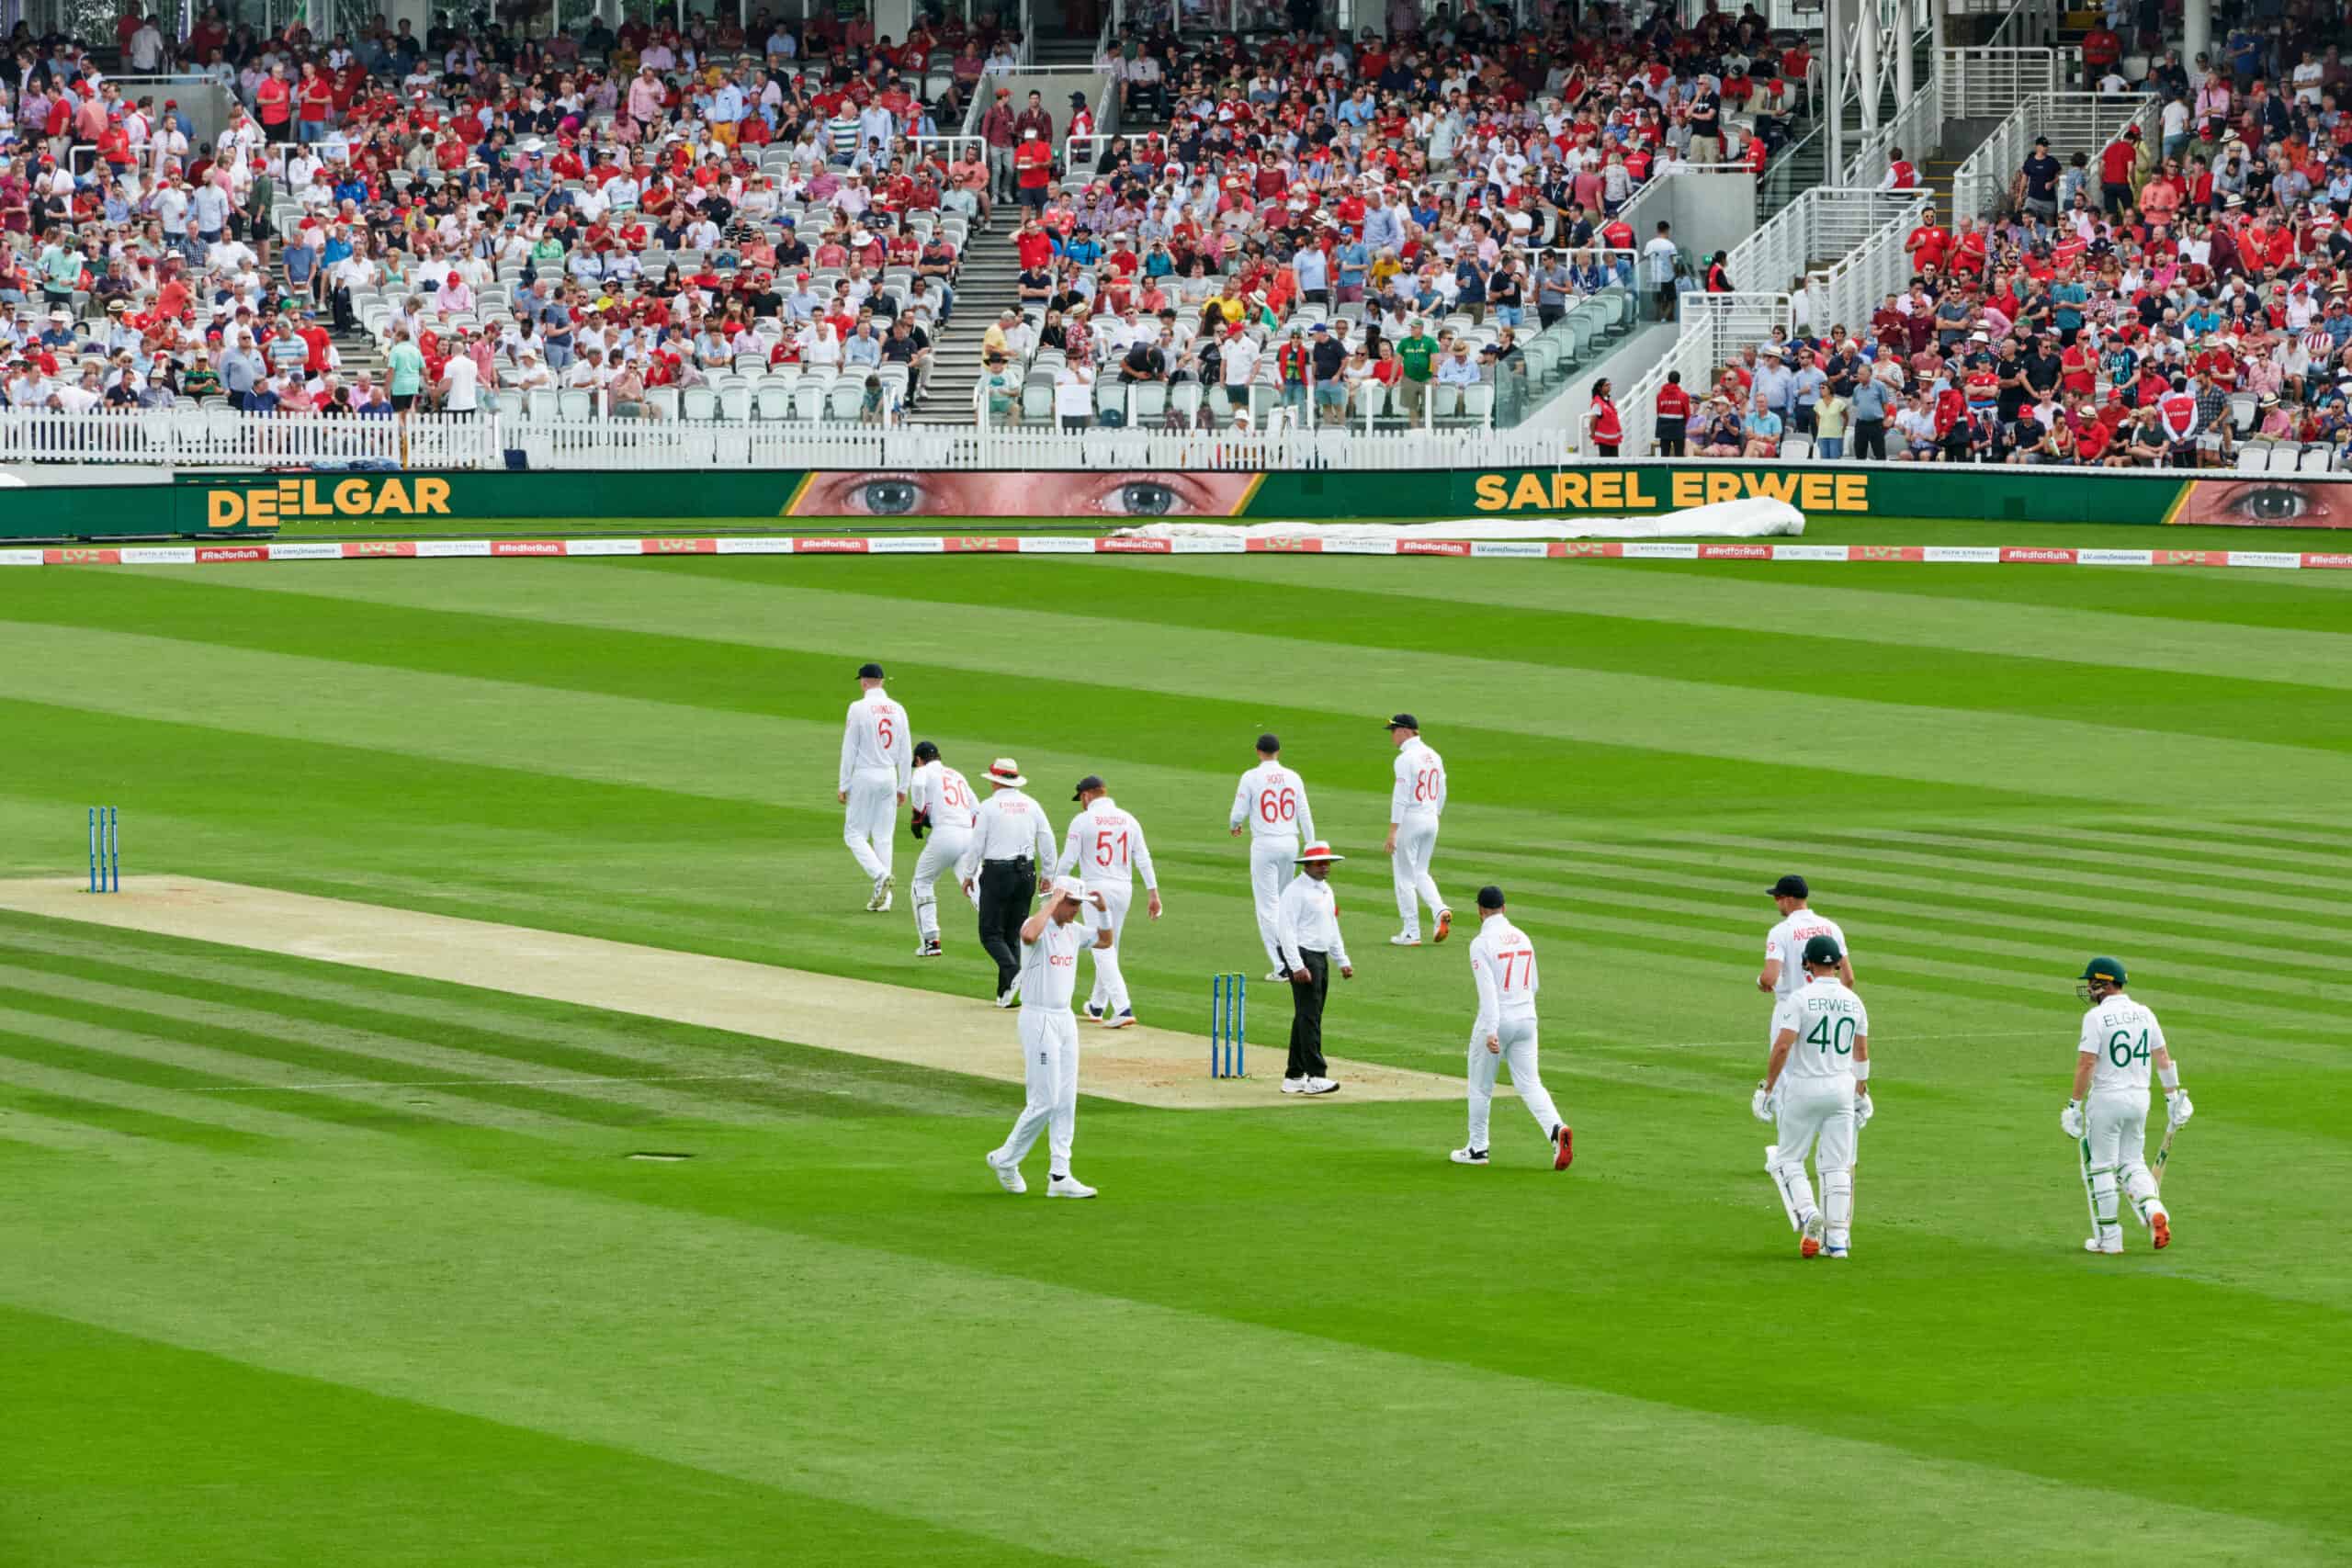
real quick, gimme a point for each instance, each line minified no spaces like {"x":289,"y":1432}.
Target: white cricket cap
{"x":1067,"y":887}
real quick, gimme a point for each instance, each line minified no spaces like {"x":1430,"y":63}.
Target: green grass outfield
{"x":437,"y":1318}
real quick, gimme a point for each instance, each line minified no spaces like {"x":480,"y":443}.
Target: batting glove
{"x":2178,"y":1109}
{"x":1863,"y":1107}
{"x":1759,"y":1105}
{"x":2070,"y":1121}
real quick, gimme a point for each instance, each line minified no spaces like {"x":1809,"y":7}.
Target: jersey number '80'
{"x":1832,"y":1034}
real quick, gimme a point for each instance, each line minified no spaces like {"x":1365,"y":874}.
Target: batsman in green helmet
{"x":2107,"y":1115}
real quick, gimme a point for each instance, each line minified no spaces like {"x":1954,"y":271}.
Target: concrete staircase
{"x":986,"y":284}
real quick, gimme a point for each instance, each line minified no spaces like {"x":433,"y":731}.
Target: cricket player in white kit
{"x":1270,"y":803}
{"x":1414,"y":807}
{"x":942,"y":808}
{"x":1503,"y":964}
{"x":1049,"y":943}
{"x":878,"y":756}
{"x":1816,"y":1087}
{"x":1784,"y":943}
{"x":1104,"y":846}
{"x":2119,"y":1038}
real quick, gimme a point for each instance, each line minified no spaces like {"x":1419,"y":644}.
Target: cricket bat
{"x":2163,"y":1152}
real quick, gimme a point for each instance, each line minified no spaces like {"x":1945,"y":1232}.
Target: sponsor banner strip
{"x":841,"y":545}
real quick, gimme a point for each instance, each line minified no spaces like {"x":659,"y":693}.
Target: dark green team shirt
{"x":1415,"y":352}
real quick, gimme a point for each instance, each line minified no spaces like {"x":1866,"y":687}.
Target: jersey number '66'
{"x":1278,"y":806}
{"x":1839,"y":1039}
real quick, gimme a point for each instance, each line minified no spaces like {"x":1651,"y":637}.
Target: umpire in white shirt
{"x":1010,"y":841}
{"x":1306,"y":924}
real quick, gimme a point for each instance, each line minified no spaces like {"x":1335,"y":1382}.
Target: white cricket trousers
{"x":1049,"y":1068}
{"x":866,"y":820}
{"x":1272,"y":859}
{"x":1518,"y":1035}
{"x":1416,"y":841}
{"x":941,"y":848}
{"x":2115,"y":1152}
{"x":1110,"y":992}
{"x":1816,"y":1117}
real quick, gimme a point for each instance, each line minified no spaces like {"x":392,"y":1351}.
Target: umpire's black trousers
{"x":1306,"y":1018}
{"x":1007,"y":889}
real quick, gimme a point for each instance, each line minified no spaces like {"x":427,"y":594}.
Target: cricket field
{"x":323,"y":1243}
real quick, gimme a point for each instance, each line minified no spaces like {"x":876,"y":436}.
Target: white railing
{"x":1715,"y":327}
{"x":225,"y":438}
{"x":1915,"y":131}
{"x":1817,"y":238}
{"x":221,"y":436}
{"x":2074,"y":122}
{"x":1876,"y":265}
{"x":1986,"y":83}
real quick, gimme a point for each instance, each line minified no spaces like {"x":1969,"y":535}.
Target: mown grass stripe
{"x":521,"y":1035}
{"x":327,"y":1062}
{"x":130,"y":1059}
{"x":127,"y":1121}
{"x":2180,"y":859}
{"x":2312,"y":962}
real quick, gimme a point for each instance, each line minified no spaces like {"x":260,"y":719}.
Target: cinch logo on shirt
{"x":1068,"y":961}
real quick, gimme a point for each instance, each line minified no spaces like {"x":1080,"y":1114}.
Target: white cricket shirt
{"x":1786,"y":942}
{"x":1420,"y":781}
{"x":1828,"y":1018}
{"x":1272,"y":800}
{"x":1105,"y":845}
{"x":874,"y":735}
{"x":2120,"y":1037}
{"x":1049,"y":966}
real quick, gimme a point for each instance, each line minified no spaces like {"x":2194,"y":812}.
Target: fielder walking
{"x":1502,"y":965}
{"x":1816,"y":1087}
{"x":1105,"y":845}
{"x":1011,"y":839}
{"x":875,"y":762}
{"x":1783,"y":973}
{"x":1414,"y":807}
{"x":942,"y":808}
{"x":1049,"y":943}
{"x":2119,"y":1038}
{"x":1307,"y":925}
{"x":1271,"y":803}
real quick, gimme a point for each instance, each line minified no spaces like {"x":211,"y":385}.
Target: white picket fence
{"x":223,"y":438}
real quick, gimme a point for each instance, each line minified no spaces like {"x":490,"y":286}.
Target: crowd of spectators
{"x":622,"y":211}
{"x":2159,"y":303}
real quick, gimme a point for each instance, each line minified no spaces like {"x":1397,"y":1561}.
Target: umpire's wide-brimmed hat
{"x":1318,"y":852}
{"x":1005,"y":771}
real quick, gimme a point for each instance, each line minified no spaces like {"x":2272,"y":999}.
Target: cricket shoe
{"x":1007,"y":1176}
{"x":1566,"y":1143}
{"x":1068,"y":1186}
{"x":1094,"y":1012}
{"x":1404,"y":939}
{"x":1320,"y":1086}
{"x":1809,"y":1244}
{"x":1468,"y":1156}
{"x":880,"y":902}
{"x":1293,"y":1086}
{"x":2110,"y":1249}
{"x":1004,"y":998}
{"x":1122,"y":1019}
{"x":1834,"y":1252}
{"x":928,"y":948}
{"x":2161,"y":1224}
{"x":1444,"y":924}
{"x":1278,"y":976}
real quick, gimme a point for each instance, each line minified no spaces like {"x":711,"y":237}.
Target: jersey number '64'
{"x":2123,"y":1050}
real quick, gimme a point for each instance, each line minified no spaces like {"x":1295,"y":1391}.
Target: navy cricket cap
{"x":926,"y":750}
{"x":1269,"y":744}
{"x":1091,"y":780}
{"x":1490,"y":897}
{"x":1403,"y":721}
{"x":1821,"y":950}
{"x":869,"y":671}
{"x":1790,"y":887}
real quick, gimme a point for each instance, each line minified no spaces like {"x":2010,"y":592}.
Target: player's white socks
{"x":1837,"y":1196}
